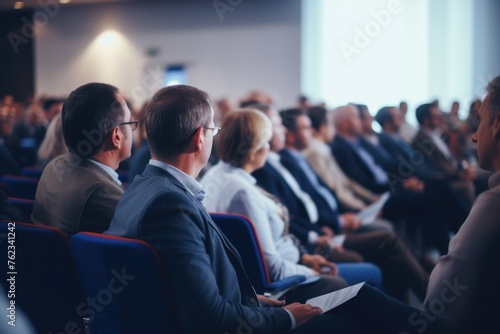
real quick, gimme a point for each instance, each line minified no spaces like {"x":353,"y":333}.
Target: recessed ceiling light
{"x":18,"y":5}
{"x":64,"y":1}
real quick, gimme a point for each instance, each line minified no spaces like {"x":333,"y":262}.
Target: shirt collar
{"x":187,"y":181}
{"x":273,"y":157}
{"x":108,"y":170}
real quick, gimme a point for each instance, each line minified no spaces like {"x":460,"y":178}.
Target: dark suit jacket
{"x":75,"y":195}
{"x":210,"y":287}
{"x":327,"y":216}
{"x":424,"y":144}
{"x":273,"y":182}
{"x":408,"y":163}
{"x":8,"y":165}
{"x":355,"y":167}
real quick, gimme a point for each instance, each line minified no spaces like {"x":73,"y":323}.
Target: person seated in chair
{"x":79,"y":191}
{"x":233,"y":190}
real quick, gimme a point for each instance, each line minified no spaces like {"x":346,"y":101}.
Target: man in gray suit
{"x":209,"y":286}
{"x":79,"y":191}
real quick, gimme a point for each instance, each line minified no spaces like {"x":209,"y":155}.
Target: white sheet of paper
{"x":337,"y":240}
{"x":333,"y":299}
{"x":369,"y":214}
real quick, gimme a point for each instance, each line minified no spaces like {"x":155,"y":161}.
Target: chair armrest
{"x":284,"y":283}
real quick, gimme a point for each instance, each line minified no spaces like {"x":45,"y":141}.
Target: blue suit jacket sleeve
{"x":354,"y":167}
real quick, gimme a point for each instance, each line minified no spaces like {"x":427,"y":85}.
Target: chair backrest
{"x":20,"y":186}
{"x":127,"y":280}
{"x":25,"y":205}
{"x":38,"y":269}
{"x":241,"y":232}
{"x":32,"y":171}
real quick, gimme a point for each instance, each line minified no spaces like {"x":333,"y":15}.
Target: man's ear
{"x":197,"y":140}
{"x":116,"y":137}
{"x":496,"y":125}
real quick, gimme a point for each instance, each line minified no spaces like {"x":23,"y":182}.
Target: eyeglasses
{"x":133,"y":124}
{"x":215,"y":130}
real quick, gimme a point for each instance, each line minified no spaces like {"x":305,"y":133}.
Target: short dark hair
{"x":424,"y":112}
{"x":360,"y":108}
{"x":494,"y":91}
{"x":88,"y":116}
{"x":318,"y":116}
{"x":260,"y":107}
{"x":248,"y":103}
{"x":172,"y":117}
{"x":289,"y":117}
{"x":49,"y":103}
{"x":384,"y":115}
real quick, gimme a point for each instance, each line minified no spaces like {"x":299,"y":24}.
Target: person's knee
{"x":333,"y":283}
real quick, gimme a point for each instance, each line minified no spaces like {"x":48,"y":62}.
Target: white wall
{"x":362,"y":51}
{"x":256,"y":46}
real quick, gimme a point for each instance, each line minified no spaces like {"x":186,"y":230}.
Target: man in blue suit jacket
{"x":210,"y":288}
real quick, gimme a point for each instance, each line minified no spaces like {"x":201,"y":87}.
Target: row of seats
{"x":105,"y":284}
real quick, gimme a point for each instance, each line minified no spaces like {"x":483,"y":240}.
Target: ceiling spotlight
{"x":18,"y":5}
{"x":64,"y":1}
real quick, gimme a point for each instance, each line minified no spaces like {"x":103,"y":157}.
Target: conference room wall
{"x":226,"y":51}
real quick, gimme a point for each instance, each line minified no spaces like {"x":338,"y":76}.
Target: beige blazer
{"x":75,"y":195}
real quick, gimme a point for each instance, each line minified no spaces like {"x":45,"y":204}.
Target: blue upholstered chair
{"x":127,"y":280}
{"x":241,"y":232}
{"x":38,"y":269}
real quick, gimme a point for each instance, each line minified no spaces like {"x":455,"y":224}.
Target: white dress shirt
{"x":232,"y":190}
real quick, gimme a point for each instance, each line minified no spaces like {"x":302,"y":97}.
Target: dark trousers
{"x":372,"y":311}
{"x":437,"y":211}
{"x":400,"y":269}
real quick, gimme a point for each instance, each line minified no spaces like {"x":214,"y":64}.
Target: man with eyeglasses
{"x":79,"y":191}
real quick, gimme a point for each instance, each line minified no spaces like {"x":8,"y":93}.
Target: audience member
{"x":163,"y":207}
{"x":9,"y":165}
{"x":430,"y":144}
{"x":80,"y":190}
{"x":407,"y":131}
{"x":354,"y":196}
{"x":27,"y":135}
{"x":472,"y":120}
{"x":53,"y":144}
{"x":462,"y":283}
{"x":232,"y":189}
{"x":140,"y":158}
{"x":52,"y":108}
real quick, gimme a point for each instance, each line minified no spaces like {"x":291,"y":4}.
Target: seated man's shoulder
{"x":69,"y":169}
